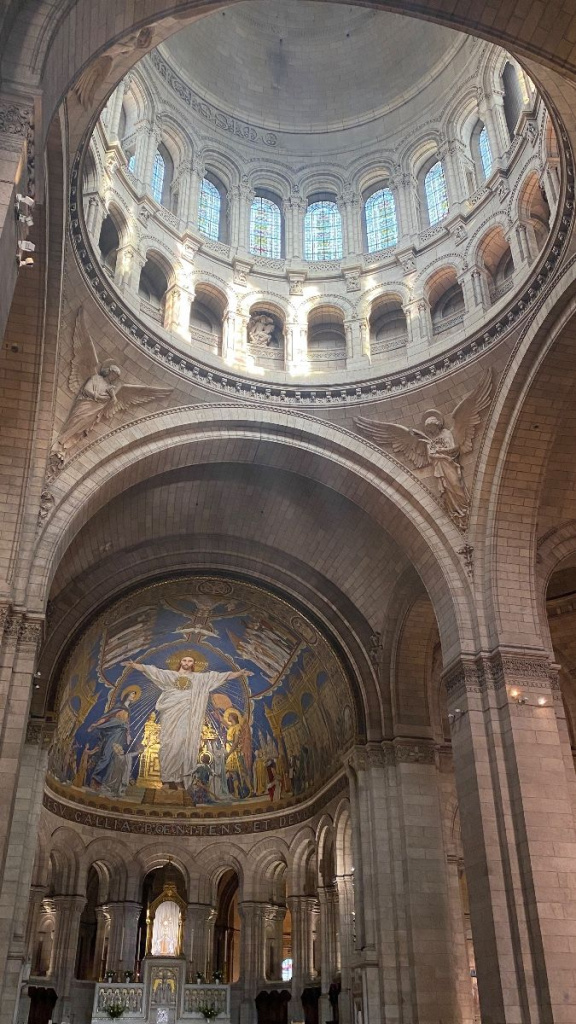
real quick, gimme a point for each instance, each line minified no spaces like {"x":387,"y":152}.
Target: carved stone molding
{"x":412,"y":752}
{"x":498,"y":669}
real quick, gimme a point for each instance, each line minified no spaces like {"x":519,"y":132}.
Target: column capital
{"x":496,"y":670}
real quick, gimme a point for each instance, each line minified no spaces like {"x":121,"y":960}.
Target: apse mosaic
{"x":200,"y":693}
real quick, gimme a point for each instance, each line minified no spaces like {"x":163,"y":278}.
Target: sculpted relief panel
{"x":199,"y":693}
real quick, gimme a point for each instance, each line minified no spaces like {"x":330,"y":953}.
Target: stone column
{"x":35,"y":909}
{"x":115,"y":937}
{"x":177,"y":311}
{"x":349,"y":206}
{"x":115,"y":112}
{"x":480,"y":288}
{"x":243,"y":197}
{"x":128,"y":951}
{"x":345,"y":884}
{"x":129,"y":263}
{"x":518,"y":834}
{"x":329,"y":943}
{"x":67,"y":912}
{"x":296,"y":206}
{"x":275,"y":932}
{"x":95,"y":214}
{"x":252,"y":957}
{"x":198,"y":938}
{"x":296,"y":346}
{"x":373,"y":871}
{"x":19,"y":641}
{"x":154,"y":137}
{"x":195,"y":181}
{"x":301,"y":915}
{"x":430,"y":956}
{"x":102,"y":924}
{"x":419,"y":325}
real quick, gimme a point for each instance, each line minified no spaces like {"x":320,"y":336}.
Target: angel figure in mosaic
{"x":439,"y":444}
{"x":99,"y":393}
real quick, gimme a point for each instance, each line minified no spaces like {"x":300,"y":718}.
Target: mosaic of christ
{"x":198,"y":692}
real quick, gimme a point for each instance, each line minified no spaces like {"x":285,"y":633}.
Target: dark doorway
{"x":272,"y":1007}
{"x":42,"y":1001}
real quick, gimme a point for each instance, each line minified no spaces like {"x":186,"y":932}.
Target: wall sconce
{"x":453,"y":716}
{"x":519,"y":698}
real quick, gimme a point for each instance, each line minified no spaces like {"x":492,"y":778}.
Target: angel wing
{"x":466,"y":415}
{"x":128,"y":396}
{"x":403,"y":441}
{"x":87,"y":83}
{"x":85,"y":361}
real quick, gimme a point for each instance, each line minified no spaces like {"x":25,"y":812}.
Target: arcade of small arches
{"x":277,"y":915}
{"x":364,"y":268}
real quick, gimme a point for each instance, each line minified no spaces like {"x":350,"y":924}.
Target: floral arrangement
{"x":208,"y":1012}
{"x":218,"y":975}
{"x":115,"y":1010}
{"x":199,"y":978}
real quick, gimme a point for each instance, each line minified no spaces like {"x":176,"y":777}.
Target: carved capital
{"x":411,"y":752}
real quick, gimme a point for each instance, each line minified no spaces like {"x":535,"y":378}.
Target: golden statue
{"x":149,"y":773}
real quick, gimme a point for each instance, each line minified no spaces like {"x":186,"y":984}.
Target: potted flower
{"x":208,"y":1012}
{"x":128,"y":975}
{"x":217,"y":977}
{"x":115,"y":1010}
{"x":199,"y":978}
{"x":109,"y":976}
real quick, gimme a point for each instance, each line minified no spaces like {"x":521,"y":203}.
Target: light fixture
{"x":453,"y":716}
{"x":28,"y":262}
{"x":26,"y":246}
{"x":25,"y":200}
{"x":519,"y":698}
{"x":25,"y":219}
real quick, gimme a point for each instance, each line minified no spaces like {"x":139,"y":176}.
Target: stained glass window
{"x":209,"y":210}
{"x":158,"y":177}
{"x":485,"y":152}
{"x":436,"y":193}
{"x":323,"y":231}
{"x":265,"y":228}
{"x":287,"y":969}
{"x":132,"y":163}
{"x":381,"y":224}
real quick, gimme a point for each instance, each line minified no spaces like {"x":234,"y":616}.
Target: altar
{"x":162,"y":996}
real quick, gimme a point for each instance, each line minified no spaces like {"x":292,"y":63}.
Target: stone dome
{"x":256,"y":216}
{"x":281,"y":64}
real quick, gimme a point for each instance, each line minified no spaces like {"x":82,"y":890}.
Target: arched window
{"x":436,"y":193}
{"x":485,"y":152}
{"x":322,"y":230}
{"x":209,"y":210}
{"x":132,"y":163}
{"x":381,"y":223}
{"x":513,"y":101}
{"x":265,"y":228}
{"x":158,"y":172}
{"x":287,"y":969}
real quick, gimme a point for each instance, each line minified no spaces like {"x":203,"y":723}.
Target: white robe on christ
{"x":181,"y":710}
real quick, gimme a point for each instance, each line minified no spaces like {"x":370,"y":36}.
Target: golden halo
{"x":232,"y":711}
{"x":132,"y":689}
{"x":200,"y":660}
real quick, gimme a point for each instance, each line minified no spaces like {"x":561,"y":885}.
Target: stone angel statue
{"x":99,"y":393}
{"x":438,"y":444}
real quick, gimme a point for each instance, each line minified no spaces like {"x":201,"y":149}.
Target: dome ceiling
{"x":306,"y":67}
{"x":199,"y":696}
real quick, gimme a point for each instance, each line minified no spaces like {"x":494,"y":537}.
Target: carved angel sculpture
{"x":88,"y":82}
{"x":99,"y":393}
{"x":261,"y":331}
{"x":439,"y":445}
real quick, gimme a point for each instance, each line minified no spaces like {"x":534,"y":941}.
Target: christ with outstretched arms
{"x":181,"y":709}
